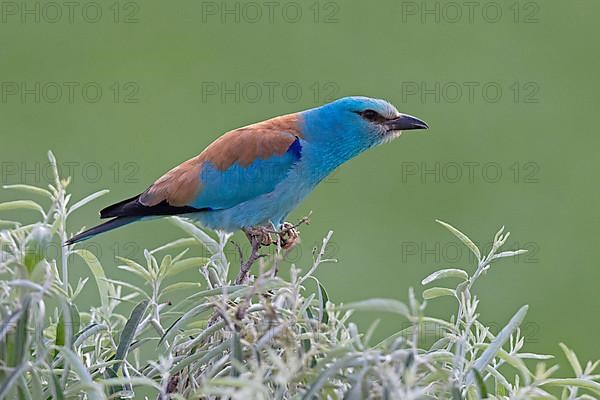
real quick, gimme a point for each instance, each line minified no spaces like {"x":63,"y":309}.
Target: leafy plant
{"x":270,"y":338}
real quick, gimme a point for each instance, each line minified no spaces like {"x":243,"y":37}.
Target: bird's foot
{"x":289,"y":236}
{"x":260,"y":235}
{"x":257,"y":236}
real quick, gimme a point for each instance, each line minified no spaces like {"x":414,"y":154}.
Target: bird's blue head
{"x":351,"y":125}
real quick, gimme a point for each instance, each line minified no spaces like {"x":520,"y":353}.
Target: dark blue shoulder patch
{"x":295,"y":149}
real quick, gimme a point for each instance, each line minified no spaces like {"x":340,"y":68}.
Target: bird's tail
{"x":107,"y":226}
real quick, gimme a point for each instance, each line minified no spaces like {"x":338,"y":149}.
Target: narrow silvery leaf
{"x":36,"y":385}
{"x":94,"y":391}
{"x":412,"y":301}
{"x":165,"y":264}
{"x":54,"y":166}
{"x":497,"y":235}
{"x":510,"y":253}
{"x":129,"y":331}
{"x":438,"y":292}
{"x":67,"y":325}
{"x":26,"y":284}
{"x":184,"y":242}
{"x":86,"y":200}
{"x":51,"y":157}
{"x":236,"y":353}
{"x":195,"y":298}
{"x":501,"y":384}
{"x":89,"y":331}
{"x":21,"y":338}
{"x":129,"y":286}
{"x":387,"y":305}
{"x":324,"y":376}
{"x":323,"y":299}
{"x":36,"y":245}
{"x":80,"y":285}
{"x":98,"y":272}
{"x":577,"y":382}
{"x":172,"y":330}
{"x":200,"y":358}
{"x":4,"y":222}
{"x":30,"y":189}
{"x":21,"y":204}
{"x":208,"y":242}
{"x":135,"y":268}
{"x":514,"y":361}
{"x":534,"y":356}
{"x":179,"y":286}
{"x":9,"y":323}
{"x":462,"y":237}
{"x":371,"y":331}
{"x":498,"y":342}
{"x":572,"y":357}
{"x":184,"y":265}
{"x":446,"y":273}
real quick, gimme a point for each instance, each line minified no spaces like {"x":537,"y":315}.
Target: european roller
{"x":253,"y":177}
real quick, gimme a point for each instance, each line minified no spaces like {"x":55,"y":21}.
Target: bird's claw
{"x":288,"y":236}
{"x":260,"y":235}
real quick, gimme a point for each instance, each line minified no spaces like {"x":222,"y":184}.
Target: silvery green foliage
{"x":270,"y":338}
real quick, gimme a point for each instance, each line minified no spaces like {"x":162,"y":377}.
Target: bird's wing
{"x":240,"y":165}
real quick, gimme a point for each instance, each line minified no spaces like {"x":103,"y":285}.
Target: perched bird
{"x":256,"y":175}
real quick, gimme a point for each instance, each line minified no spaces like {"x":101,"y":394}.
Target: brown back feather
{"x":181,"y":185}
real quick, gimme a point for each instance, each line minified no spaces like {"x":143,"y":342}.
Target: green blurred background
{"x":511,"y":100}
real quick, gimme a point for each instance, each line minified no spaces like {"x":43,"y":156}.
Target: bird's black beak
{"x":405,"y":123}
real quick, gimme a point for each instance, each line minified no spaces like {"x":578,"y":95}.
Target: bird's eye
{"x":372,"y":116}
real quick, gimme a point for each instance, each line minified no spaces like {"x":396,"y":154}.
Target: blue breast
{"x":225,"y":189}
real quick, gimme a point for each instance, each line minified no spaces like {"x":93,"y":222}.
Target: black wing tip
{"x":76,"y":238}
{"x":119,"y":209}
{"x":98,"y":229}
{"x":134,"y":208}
